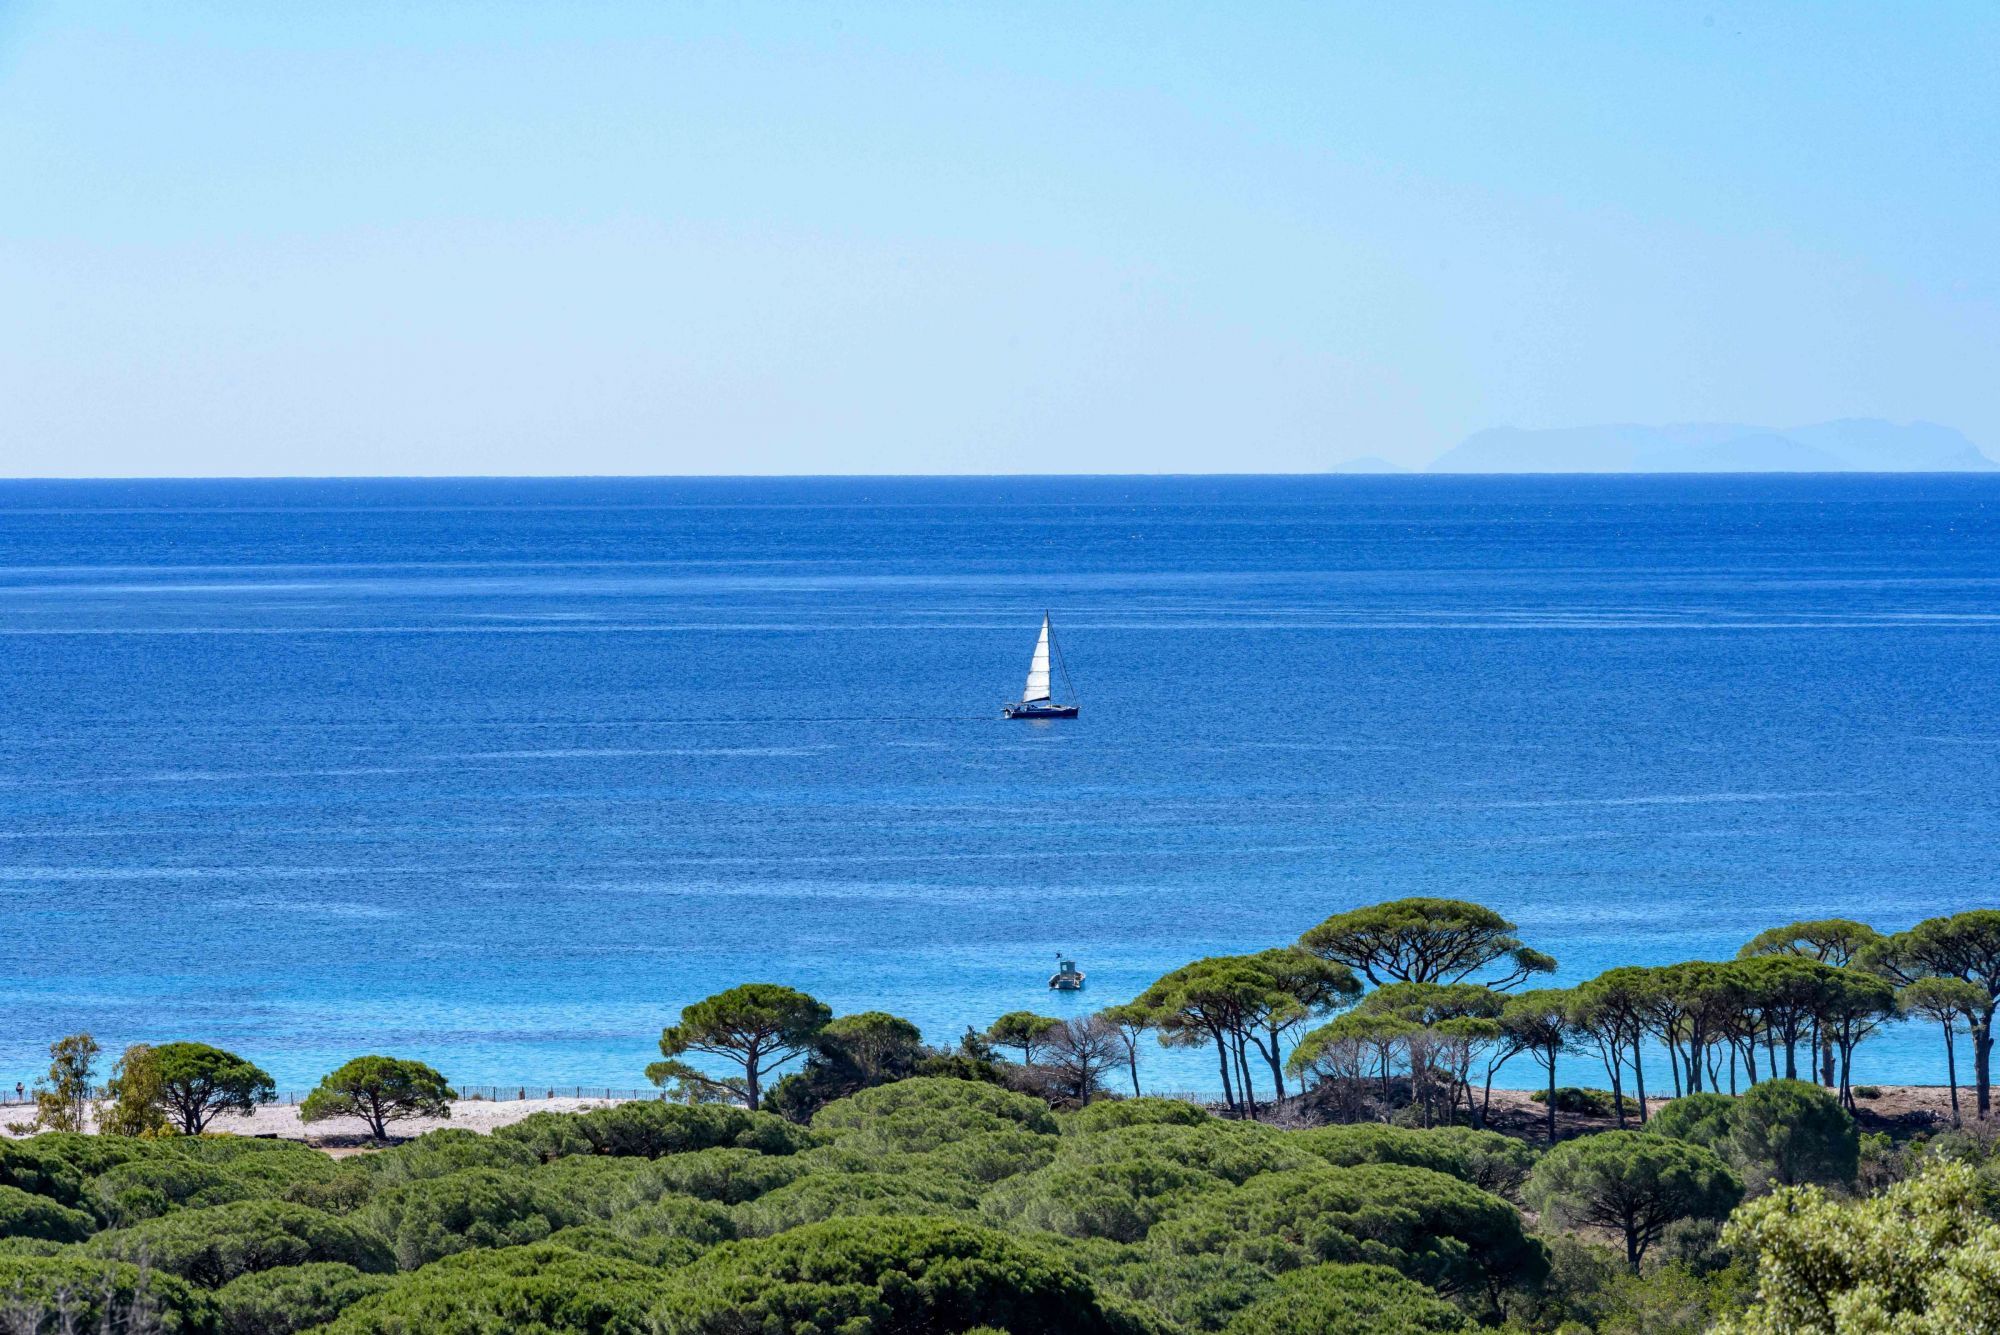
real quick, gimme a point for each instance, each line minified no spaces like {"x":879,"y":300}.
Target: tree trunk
{"x":1632,"y":1247}
{"x":1222,"y":1060}
{"x":1951,"y":1071}
{"x":1270,"y":1056}
{"x":1982,"y":1062}
{"x":1132,"y":1060}
{"x":1639,"y":1079}
{"x":1553,"y":1053}
{"x":1243,"y":1072}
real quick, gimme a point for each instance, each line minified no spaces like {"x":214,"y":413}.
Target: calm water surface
{"x":501,"y":774}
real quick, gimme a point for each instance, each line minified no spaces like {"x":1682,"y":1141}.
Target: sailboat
{"x":1035,"y":699}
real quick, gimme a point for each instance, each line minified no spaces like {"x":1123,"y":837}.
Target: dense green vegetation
{"x":1350,"y":1179}
{"x":955,"y":1205}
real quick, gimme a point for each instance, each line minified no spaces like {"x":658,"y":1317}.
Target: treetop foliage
{"x":379,"y":1090}
{"x":1425,"y":941}
{"x":1433,"y":1228}
{"x":876,"y":1276}
{"x":1349,"y":1300}
{"x":198,"y":1082}
{"x":1634,"y":1183}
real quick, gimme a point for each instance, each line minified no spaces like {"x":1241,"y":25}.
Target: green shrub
{"x":296,"y":1298}
{"x":1432,"y":1227}
{"x":1789,"y":1133}
{"x":1232,"y":1151}
{"x":1487,"y":1159}
{"x":1634,"y":1183}
{"x":537,"y":1290}
{"x":196,"y":1171}
{"x":876,"y":1276}
{"x":1349,"y":1300}
{"x":729,"y":1176}
{"x":926,"y":1113}
{"x":990,"y":1156}
{"x":213,"y":1245}
{"x":818,"y":1196}
{"x":446,"y":1151}
{"x":1106,"y":1114}
{"x":649,"y":1130}
{"x":58,"y":1166}
{"x":1699,"y":1119}
{"x":1865,"y":1091}
{"x":1120,"y":1200}
{"x":26,"y":1215}
{"x":1921,"y":1257}
{"x":97,"y":1294}
{"x":148,"y":1188}
{"x":655,"y":1251}
{"x":547,"y":1135}
{"x":1585,"y":1102}
{"x":592,"y":1184}
{"x":278,"y":1171}
{"x":479,"y":1207}
{"x":1193,"y":1292}
{"x":703,"y":1223}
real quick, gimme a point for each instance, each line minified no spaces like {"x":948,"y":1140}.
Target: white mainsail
{"x":1038,"y":670}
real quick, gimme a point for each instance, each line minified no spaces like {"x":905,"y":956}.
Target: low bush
{"x":1429,"y":1226}
{"x":1585,"y":1102}
{"x":927,"y":1113}
{"x":819,"y":1196}
{"x":70,"y":1291}
{"x":213,"y":1245}
{"x":479,"y":1207}
{"x":1349,"y":1300}
{"x":26,"y":1215}
{"x":1120,"y":1200}
{"x":296,"y":1298}
{"x":880,"y":1275}
{"x":538,"y":1290}
{"x":1106,"y":1114}
{"x":728,"y":1176}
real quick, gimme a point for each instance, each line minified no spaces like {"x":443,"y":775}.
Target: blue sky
{"x":409,"y":238}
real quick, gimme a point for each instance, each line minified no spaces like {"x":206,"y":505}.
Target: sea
{"x":500,"y":774}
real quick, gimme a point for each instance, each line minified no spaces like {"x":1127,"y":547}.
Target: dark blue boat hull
{"x":1039,"y":711}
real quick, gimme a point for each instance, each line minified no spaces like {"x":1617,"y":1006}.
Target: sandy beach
{"x":1899,"y":1107}
{"x":282,"y":1120}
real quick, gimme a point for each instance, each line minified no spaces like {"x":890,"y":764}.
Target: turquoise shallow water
{"x":501,"y":774}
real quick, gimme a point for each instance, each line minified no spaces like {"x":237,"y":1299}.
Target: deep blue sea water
{"x":502,"y":773}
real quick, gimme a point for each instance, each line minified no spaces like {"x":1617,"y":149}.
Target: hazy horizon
{"x":508,"y":241}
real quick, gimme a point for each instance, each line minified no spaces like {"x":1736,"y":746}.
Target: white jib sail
{"x":1038,"y":670}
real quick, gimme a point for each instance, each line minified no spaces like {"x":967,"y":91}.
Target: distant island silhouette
{"x":1852,"y":445}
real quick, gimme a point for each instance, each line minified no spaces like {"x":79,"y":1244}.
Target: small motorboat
{"x":1067,"y":977}
{"x":1036,"y":701}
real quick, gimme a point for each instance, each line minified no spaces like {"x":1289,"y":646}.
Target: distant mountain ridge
{"x":1852,"y":445}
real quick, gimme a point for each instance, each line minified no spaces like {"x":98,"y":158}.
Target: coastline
{"x":1908,"y":1108}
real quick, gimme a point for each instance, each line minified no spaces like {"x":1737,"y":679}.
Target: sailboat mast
{"x":1055,"y":648}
